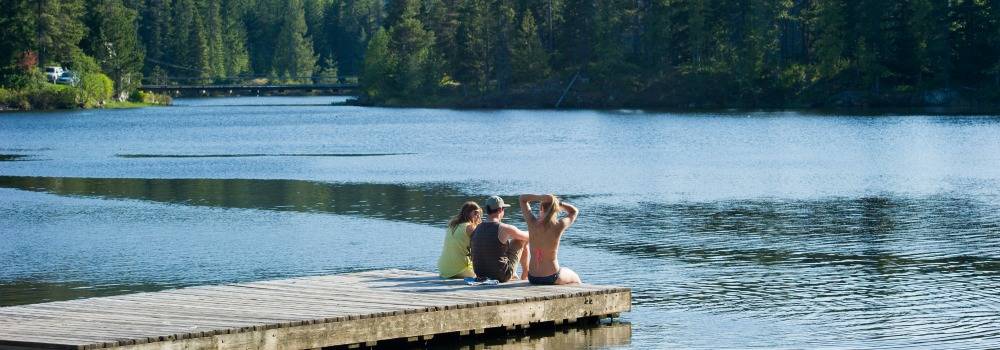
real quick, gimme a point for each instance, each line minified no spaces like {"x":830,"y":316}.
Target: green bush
{"x":50,"y":96}
{"x":138,"y":96}
{"x":14,"y":78}
{"x":11,"y":99}
{"x":43,"y":96}
{"x":95,"y":88}
{"x":150,"y":98}
{"x":83,"y":64}
{"x":6,"y":96}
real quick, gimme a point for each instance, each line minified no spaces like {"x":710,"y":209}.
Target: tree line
{"x":187,"y":41}
{"x":681,"y":53}
{"x":502,"y":52}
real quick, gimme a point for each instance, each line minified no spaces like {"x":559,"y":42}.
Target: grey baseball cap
{"x":494,"y":203}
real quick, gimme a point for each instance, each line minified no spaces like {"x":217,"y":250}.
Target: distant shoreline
{"x":965,"y":109}
{"x":555,"y":94}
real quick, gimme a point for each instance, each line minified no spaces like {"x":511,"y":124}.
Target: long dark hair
{"x":468,"y":214}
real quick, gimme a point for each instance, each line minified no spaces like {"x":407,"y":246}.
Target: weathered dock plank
{"x":300,"y":313}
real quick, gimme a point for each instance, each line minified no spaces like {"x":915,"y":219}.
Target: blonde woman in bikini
{"x":546,"y":230}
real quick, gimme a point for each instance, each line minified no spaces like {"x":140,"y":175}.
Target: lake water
{"x":735,"y":230}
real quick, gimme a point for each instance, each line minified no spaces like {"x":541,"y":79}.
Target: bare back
{"x":544,"y":244}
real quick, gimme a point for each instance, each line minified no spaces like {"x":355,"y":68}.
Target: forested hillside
{"x":683,"y":53}
{"x":686,"y":53}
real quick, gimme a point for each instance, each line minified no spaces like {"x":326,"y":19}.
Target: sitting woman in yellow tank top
{"x":454,"y":261}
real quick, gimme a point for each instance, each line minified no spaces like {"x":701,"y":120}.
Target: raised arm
{"x":525,"y":202}
{"x":511,"y":232}
{"x":528,"y":198}
{"x":571,"y":213}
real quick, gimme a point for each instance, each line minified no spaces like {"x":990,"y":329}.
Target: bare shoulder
{"x":507,"y":227}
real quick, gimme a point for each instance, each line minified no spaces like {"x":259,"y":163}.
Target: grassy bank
{"x":128,"y":104}
{"x":47,"y":96}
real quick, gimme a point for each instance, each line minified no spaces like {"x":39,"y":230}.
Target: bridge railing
{"x":245,"y":80}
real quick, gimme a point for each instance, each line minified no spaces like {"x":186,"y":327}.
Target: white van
{"x":52,"y":73}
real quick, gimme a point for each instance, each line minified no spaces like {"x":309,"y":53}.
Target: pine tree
{"x":698,"y":32}
{"x":900,"y":57}
{"x":349,"y":25}
{"x":576,"y":45}
{"x":504,"y":23}
{"x":528,"y":57}
{"x":870,"y":51}
{"x":441,"y":18}
{"x":994,"y":42}
{"x":214,"y":35}
{"x":315,"y":15}
{"x":17,"y":36}
{"x":659,"y":36}
{"x":236,"y":59}
{"x":328,"y":74}
{"x":397,"y":10}
{"x":263,"y":22}
{"x":200,"y":50}
{"x":921,"y":24}
{"x":608,"y":48}
{"x":940,"y":62}
{"x":831,"y":33}
{"x":549,"y":18}
{"x":294,"y":59}
{"x":115,"y":44}
{"x":189,"y":43}
{"x":58,"y":29}
{"x":474,"y":47}
{"x":413,"y":46}
{"x":971,"y":47}
{"x":155,"y":29}
{"x":752,"y":49}
{"x":379,"y":68}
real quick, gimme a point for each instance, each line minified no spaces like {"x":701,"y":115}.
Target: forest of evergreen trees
{"x":666,"y":53}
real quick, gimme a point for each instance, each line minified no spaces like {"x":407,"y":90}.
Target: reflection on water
{"x":600,"y":336}
{"x":11,"y":157}
{"x":260,"y":101}
{"x":29,"y":292}
{"x":423,"y":204}
{"x":58,"y":247}
{"x":427,"y":204}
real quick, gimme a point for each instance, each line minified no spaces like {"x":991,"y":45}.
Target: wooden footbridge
{"x":337,"y":88}
{"x":351,"y":310}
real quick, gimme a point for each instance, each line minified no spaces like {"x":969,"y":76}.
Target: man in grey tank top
{"x":497,"y":247}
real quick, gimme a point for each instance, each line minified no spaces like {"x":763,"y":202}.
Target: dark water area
{"x":735,"y":230}
{"x":258,"y":155}
{"x":11,"y":157}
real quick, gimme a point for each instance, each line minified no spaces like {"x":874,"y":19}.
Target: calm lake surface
{"x":735,"y":230}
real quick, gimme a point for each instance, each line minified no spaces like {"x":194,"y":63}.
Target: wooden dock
{"x":357,"y":309}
